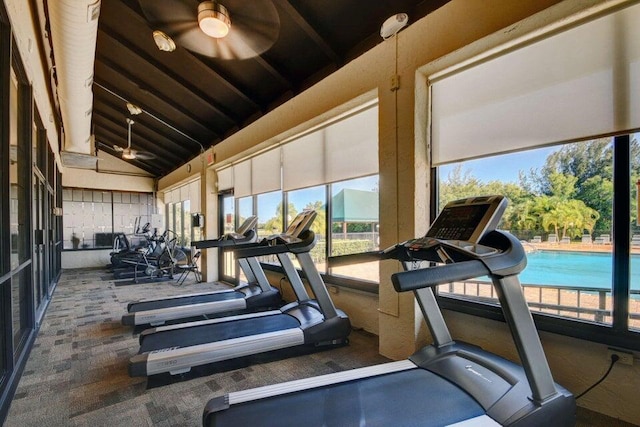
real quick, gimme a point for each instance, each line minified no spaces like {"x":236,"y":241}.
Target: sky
{"x":503,"y":168}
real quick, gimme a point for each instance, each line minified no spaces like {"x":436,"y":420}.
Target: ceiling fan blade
{"x":144,"y":155}
{"x":255,"y":26}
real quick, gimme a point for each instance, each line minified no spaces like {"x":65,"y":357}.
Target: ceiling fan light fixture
{"x":213,"y":19}
{"x":128,"y":154}
{"x":163,"y":41}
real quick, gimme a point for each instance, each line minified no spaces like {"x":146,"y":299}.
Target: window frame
{"x":335,"y":280}
{"x":617,"y":333}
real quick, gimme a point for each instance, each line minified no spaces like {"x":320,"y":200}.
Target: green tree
{"x":319,"y":225}
{"x":274,"y":224}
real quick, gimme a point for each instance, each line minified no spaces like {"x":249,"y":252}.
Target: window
{"x":180,"y":203}
{"x":270,"y":213}
{"x":338,"y":161}
{"x":312,"y":198}
{"x":582,"y":258}
{"x":355,"y":225}
{"x":19,"y":165}
{"x":560,"y":207}
{"x":269,"y":208}
{"x":245,"y":209}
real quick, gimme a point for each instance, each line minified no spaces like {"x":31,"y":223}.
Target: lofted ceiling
{"x":191,"y":102}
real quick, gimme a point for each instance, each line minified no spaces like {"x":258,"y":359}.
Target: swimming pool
{"x":582,"y":269}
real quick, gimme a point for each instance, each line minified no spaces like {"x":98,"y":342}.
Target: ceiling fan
{"x":229,"y":29}
{"x":129,"y":153}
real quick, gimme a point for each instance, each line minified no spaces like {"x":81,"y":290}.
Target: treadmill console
{"x":248,"y":224}
{"x":240,"y":233}
{"x":300,"y":223}
{"x":468,"y":219}
{"x":460,"y":226}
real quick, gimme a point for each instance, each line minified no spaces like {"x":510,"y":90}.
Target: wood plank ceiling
{"x":192,"y":102}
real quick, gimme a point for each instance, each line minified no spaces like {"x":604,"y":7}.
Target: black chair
{"x":190,"y":267}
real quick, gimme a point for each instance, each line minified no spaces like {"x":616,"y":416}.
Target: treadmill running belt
{"x":186,"y":300}
{"x":185,"y":337}
{"x":409,"y":398}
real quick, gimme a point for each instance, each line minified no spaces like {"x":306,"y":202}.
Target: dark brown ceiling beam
{"x":111,"y":137}
{"x":151,"y":169}
{"x":206,"y":71}
{"x":152,"y":140}
{"x":273,"y":71}
{"x":163,"y":100}
{"x":168,"y":103}
{"x":152,"y":136}
{"x":106,"y":144}
{"x":310,"y":31}
{"x":166,"y":73}
{"x":150,"y":125}
{"x":106,"y":132}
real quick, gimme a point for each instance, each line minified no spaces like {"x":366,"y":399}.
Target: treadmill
{"x":257,"y":294}
{"x":447,"y":382}
{"x":307,"y":324}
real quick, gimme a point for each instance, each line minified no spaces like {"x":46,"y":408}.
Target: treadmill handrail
{"x":228,"y":240}
{"x":304,"y":243}
{"x":438,"y":275}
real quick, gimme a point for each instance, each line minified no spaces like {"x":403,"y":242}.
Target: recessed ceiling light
{"x":213,"y":19}
{"x":163,"y":41}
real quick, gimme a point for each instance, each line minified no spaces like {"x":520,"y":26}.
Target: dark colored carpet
{"x":77,"y":371}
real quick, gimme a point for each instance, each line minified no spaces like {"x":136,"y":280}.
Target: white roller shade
{"x":352,"y":147}
{"x":303,"y":162}
{"x":580,"y":83}
{"x":194,"y":193}
{"x":265,"y":172}
{"x":171,"y":196}
{"x":242,"y":179}
{"x":225,"y":179}
{"x":184,"y":193}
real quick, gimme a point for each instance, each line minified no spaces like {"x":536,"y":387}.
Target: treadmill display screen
{"x":458,"y":222}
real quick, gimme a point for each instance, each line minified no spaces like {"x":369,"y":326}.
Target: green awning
{"x":355,"y":206}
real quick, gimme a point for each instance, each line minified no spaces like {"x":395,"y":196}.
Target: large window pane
{"x":312,"y":198}
{"x":185,"y":239}
{"x":3,"y":347}
{"x":20,"y":286}
{"x":228,"y":207}
{"x":355,"y":224}
{"x":171,"y":215}
{"x":270,"y":218}
{"x":228,"y":267}
{"x":245,"y":208}
{"x":560,"y":206}
{"x":270,"y":213}
{"x":634,"y":232}
{"x":178,"y":218}
{"x":19,"y":173}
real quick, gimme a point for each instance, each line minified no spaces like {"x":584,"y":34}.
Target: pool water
{"x":582,"y":269}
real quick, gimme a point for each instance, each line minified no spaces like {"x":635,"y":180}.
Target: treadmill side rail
{"x":160,"y":316}
{"x":180,"y":360}
{"x":319,"y":381}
